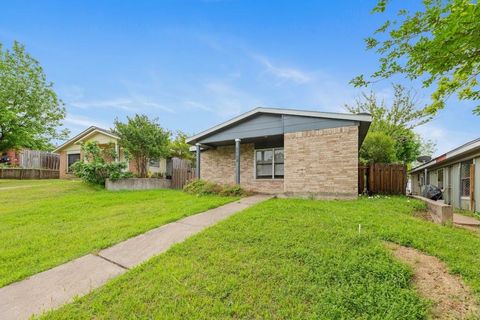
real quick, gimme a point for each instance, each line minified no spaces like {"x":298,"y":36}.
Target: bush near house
{"x":97,"y":165}
{"x":202,"y":187}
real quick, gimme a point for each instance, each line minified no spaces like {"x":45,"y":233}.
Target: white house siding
{"x":455,"y":175}
{"x":477,"y":184}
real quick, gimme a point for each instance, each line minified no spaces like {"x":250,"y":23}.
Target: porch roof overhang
{"x":469,"y":149}
{"x":271,"y":123}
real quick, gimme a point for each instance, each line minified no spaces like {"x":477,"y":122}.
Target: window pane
{"x":278,"y":155}
{"x":465,"y":187}
{"x":154,"y":163}
{"x":72,"y":158}
{"x":279,"y":170}
{"x":264,"y":156}
{"x":264,"y":171}
{"x":465,"y":169}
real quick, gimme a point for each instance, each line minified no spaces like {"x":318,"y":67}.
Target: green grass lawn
{"x":289,"y":259}
{"x":46,"y":223}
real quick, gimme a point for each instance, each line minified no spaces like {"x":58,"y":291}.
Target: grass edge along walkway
{"x":57,"y":286}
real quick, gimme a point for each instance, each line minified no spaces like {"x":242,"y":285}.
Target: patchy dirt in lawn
{"x":425,"y":215}
{"x":450,"y":297}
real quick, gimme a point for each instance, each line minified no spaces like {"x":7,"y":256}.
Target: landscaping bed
{"x":287,"y":258}
{"x":49,"y":222}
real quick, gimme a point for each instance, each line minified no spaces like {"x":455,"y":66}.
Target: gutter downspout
{"x":197,"y":168}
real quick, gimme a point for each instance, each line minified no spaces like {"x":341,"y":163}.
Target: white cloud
{"x":133,"y":104}
{"x":445,"y":139}
{"x":228,"y":100}
{"x":284,"y":73}
{"x":82,"y":121}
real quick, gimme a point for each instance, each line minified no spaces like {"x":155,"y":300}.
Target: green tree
{"x":396,"y":121}
{"x":439,"y":44}
{"x":30,"y":112}
{"x":378,"y":147}
{"x":144,"y":139}
{"x":180,"y":148}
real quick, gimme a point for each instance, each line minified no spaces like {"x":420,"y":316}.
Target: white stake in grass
{"x":359,"y":228}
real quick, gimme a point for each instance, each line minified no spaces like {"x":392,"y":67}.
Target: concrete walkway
{"x":465,"y":221}
{"x":52,"y":288}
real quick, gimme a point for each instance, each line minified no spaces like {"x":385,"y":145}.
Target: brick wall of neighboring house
{"x":218,"y":165}
{"x":63,"y":167}
{"x":322,"y":163}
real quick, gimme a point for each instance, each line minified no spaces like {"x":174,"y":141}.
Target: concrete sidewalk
{"x":55,"y":287}
{"x":465,"y":221}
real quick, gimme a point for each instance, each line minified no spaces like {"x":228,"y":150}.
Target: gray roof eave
{"x":328,"y":115}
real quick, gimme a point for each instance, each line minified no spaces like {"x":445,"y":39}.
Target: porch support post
{"x":425,"y":178}
{"x":197,"y":168}
{"x":237,"y":161}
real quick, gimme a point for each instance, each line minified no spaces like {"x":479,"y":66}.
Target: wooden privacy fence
{"x":20,"y":173}
{"x":182,"y":173}
{"x":34,"y":159}
{"x":382,"y":178}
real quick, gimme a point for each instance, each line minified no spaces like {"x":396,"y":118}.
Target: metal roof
{"x":316,"y":114}
{"x":459,"y":151}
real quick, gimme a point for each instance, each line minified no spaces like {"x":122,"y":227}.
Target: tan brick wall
{"x":63,"y":166}
{"x":218,"y":165}
{"x":322,"y":163}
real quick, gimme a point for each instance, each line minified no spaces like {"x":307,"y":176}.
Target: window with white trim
{"x":269,"y":163}
{"x":465,"y":178}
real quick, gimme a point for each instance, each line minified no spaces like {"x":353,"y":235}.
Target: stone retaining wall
{"x":441,"y":212}
{"x":137,"y":184}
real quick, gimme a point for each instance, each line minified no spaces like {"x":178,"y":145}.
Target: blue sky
{"x":194,"y":64}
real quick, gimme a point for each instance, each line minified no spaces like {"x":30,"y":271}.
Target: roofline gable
{"x":85,"y":133}
{"x":304,"y":113}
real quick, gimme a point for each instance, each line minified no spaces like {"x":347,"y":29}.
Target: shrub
{"x":233,"y":191}
{"x":202,"y":187}
{"x":97,"y":165}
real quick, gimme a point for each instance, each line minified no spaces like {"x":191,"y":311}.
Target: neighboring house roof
{"x":86,"y":133}
{"x":457,"y":153}
{"x":363,"y":119}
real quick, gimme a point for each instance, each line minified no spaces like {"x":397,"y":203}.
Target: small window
{"x":440,"y":178}
{"x":154,"y":163}
{"x":465,"y":178}
{"x":269,"y":163}
{"x":72,"y":158}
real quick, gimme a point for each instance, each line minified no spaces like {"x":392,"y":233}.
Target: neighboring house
{"x":456,"y":172}
{"x":284,"y":151}
{"x":70,"y":151}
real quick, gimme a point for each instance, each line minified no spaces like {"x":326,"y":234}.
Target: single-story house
{"x":284,"y":151}
{"x":70,"y":151}
{"x":456,"y":172}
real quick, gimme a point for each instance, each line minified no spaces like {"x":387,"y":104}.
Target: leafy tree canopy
{"x":30,"y":112}
{"x":378,"y":147}
{"x":439,"y":44}
{"x":144,"y":139}
{"x":396,"y":122}
{"x":179,"y":147}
